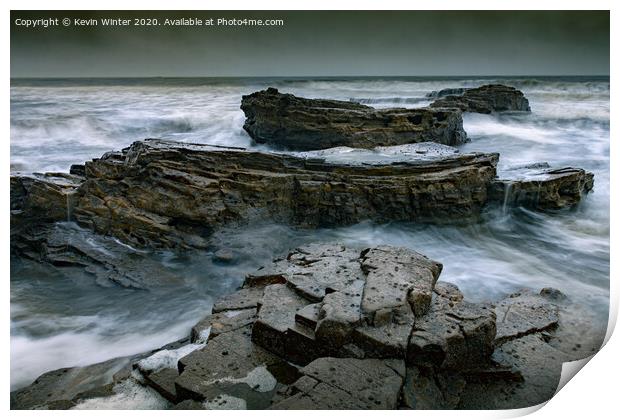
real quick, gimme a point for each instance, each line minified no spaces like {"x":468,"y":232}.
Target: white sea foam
{"x":128,"y":395}
{"x":167,"y":358}
{"x":259,"y":379}
{"x":225,"y":402}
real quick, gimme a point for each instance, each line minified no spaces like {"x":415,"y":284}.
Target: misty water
{"x":60,"y":317}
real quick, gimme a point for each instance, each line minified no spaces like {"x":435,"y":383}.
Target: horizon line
{"x":306,"y":76}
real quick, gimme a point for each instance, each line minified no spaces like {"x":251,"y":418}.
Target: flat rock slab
{"x":48,"y":197}
{"x":221,"y":322}
{"x":397,"y":276}
{"x":542,"y":188}
{"x":524,"y":313}
{"x":426,"y":389}
{"x":453,"y":335}
{"x":298,"y":123}
{"x":53,"y":389}
{"x":333,"y":383}
{"x":245,"y":298}
{"x":163,"y":381}
{"x":232,"y":368}
{"x":276,"y":328}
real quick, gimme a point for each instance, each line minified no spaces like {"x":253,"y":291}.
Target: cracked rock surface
{"x":298,"y":335}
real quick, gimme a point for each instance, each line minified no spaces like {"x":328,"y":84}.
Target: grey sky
{"x":316,"y":43}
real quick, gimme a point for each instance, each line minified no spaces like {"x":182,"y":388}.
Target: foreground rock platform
{"x":295,"y":123}
{"x":333,"y":327}
{"x":485,"y":99}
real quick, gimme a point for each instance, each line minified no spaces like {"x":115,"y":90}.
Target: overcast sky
{"x":374,"y":43}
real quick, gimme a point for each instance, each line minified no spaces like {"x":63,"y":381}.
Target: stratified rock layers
{"x":298,"y":123}
{"x":484,"y":99}
{"x":168,"y":194}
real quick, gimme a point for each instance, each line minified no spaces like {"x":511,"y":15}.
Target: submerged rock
{"x":107,"y":260}
{"x":485,"y":100}
{"x":298,"y":123}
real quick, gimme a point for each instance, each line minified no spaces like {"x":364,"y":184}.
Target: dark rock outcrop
{"x":296,"y":123}
{"x":168,"y":194}
{"x":485,"y":100}
{"x":109,"y":261}
{"x":40,"y":198}
{"x":542,"y":188}
{"x":445,"y":92}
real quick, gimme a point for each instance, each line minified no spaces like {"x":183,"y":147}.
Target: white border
{"x":592,"y":395}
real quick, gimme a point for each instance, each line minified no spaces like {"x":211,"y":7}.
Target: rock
{"x":295,"y":123}
{"x":276,"y":328}
{"x":173,"y":195}
{"x":388,"y":338}
{"x":339,"y":313}
{"x":189,"y":405}
{"x":244,"y":298}
{"x":231,"y":367}
{"x":446,"y":92}
{"x":395,"y":277}
{"x":77,"y":169}
{"x":110,"y":262}
{"x":331,"y":383}
{"x":485,"y":100}
{"x":542,"y":189}
{"x":162,"y":381}
{"x":224,"y":256}
{"x":540,"y":366}
{"x":524,"y":313}
{"x":278,"y":343}
{"x":221,"y":322}
{"x":426,"y":389}
{"x":54,"y":389}
{"x":40,"y":198}
{"x":452,"y":335}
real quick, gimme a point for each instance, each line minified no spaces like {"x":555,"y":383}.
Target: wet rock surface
{"x":541,"y":187}
{"x":40,"y":198}
{"x":345,"y":383}
{"x":167,"y":194}
{"x":298,"y":123}
{"x":110,"y":262}
{"x":309,"y":332}
{"x":484,"y":99}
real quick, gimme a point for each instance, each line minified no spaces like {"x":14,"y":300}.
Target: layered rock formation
{"x":158,"y":193}
{"x":540,"y":187}
{"x":294,"y":123}
{"x":484,"y":99}
{"x":331,"y":327}
{"x":165,"y":194}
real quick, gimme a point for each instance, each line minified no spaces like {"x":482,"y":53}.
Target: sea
{"x":60,"y":317}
